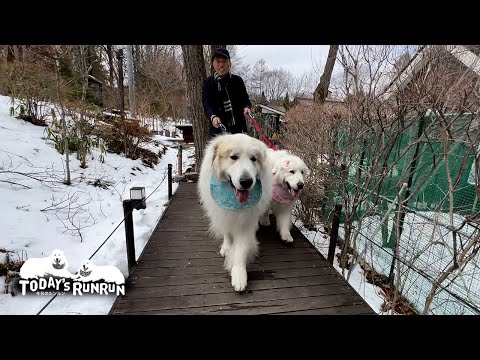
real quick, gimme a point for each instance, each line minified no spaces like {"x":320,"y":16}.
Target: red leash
{"x":259,"y":130}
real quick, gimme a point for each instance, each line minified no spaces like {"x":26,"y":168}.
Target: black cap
{"x":220,"y":52}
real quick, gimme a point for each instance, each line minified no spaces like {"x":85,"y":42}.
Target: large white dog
{"x":56,"y":264}
{"x":288,"y":181}
{"x":235,"y":188}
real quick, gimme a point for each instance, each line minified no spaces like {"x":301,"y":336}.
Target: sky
{"x":298,"y":59}
{"x":34,"y":221}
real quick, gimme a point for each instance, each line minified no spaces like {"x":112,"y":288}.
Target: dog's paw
{"x":287,"y":237}
{"x":224,"y":250}
{"x":239,"y":278}
{"x":287,"y":243}
{"x":265,"y":222}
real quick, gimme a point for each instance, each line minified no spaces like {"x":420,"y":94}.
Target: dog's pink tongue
{"x":241,"y":195}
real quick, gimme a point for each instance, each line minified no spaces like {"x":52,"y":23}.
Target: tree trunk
{"x":110,"y":64}
{"x":67,"y":181}
{"x":321,"y":92}
{"x":212,"y":49}
{"x":82,"y":123}
{"x":195,"y":76}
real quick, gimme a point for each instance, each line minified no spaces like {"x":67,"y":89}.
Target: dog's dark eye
{"x":234,"y":157}
{"x":302,"y":172}
{"x":253,"y":158}
{"x":292,"y":171}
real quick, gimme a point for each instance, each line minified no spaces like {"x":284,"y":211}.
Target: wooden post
{"x":334,"y":233}
{"x":179,"y":159}
{"x":169,"y":181}
{"x":129,"y":236}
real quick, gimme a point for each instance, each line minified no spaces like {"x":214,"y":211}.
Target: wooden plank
{"x":356,"y":309}
{"x":322,"y":304}
{"x":181,"y":249}
{"x":142,"y":277}
{"x":207,"y":251}
{"x":190,"y":244}
{"x":154,"y":262}
{"x":179,"y":263}
{"x":185,"y":240}
{"x":178,"y":267}
{"x":222,"y":285}
{"x":159,"y":255}
{"x":227,"y":298}
{"x":264,"y":255}
{"x":194,"y":232}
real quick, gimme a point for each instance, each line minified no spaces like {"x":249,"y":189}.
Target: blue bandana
{"x":224,"y":195}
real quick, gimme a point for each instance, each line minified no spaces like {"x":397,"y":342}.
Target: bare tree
{"x":302,"y":85}
{"x":321,"y":92}
{"x":258,"y":77}
{"x":194,"y":63}
{"x":160,"y":87}
{"x":276,"y":84}
{"x":30,"y":81}
{"x":111,"y":68}
{"x":59,"y":53}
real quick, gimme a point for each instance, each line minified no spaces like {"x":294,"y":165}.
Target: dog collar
{"x":281,"y":195}
{"x":224,"y":195}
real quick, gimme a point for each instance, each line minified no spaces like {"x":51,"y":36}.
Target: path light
{"x":136,"y":201}
{"x":137,"y":196}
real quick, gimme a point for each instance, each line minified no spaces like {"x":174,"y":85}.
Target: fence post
{"x":169,"y":181}
{"x":334,"y":233}
{"x":401,"y":217}
{"x":129,"y":236}
{"x":180,"y":160}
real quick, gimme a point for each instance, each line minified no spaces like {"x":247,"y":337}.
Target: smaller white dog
{"x":288,"y":182}
{"x":90,"y":272}
{"x":56,"y":264}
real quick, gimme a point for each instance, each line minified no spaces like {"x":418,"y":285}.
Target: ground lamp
{"x":137,"y":202}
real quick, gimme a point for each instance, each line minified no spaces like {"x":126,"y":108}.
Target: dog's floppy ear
{"x":216,"y":160}
{"x":215,"y":152}
{"x":277,"y":165}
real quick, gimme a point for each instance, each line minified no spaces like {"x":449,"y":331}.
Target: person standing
{"x":224,"y":96}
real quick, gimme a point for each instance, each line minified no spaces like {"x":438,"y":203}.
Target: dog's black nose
{"x":246,"y":182}
{"x":300,"y":186}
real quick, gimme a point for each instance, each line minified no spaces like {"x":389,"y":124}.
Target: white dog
{"x":288,"y":180}
{"x":90,"y":272}
{"x":235,"y":188}
{"x":56,"y":264}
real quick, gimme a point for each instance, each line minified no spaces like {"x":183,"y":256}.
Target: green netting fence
{"x":419,"y":157}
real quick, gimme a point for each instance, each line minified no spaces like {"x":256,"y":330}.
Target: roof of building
{"x":468,"y":55}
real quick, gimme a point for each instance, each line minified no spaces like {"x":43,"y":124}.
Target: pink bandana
{"x":282,"y":195}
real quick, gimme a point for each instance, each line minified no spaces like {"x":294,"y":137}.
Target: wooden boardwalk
{"x":181,"y":272}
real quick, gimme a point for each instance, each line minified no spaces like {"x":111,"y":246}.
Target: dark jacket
{"x":215,"y":96}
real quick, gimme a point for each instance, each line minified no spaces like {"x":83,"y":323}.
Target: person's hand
{"x":216,"y":122}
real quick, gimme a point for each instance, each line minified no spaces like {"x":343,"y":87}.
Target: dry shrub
{"x":33,"y":86}
{"x":309,"y":132}
{"x":129,"y":132}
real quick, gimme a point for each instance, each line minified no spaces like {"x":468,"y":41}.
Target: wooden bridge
{"x":181,"y":272}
